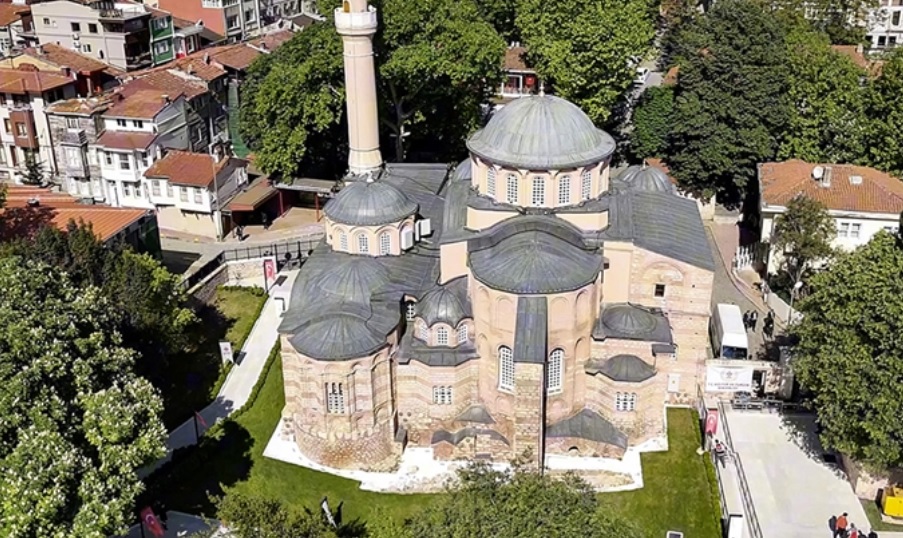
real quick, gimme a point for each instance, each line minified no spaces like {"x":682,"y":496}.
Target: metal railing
{"x":745,"y":495}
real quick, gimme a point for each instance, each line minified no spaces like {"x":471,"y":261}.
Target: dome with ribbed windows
{"x":369,"y":203}
{"x":441,"y":305}
{"x":646,"y":179}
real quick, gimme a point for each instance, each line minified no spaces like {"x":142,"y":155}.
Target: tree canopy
{"x":76,"y":422}
{"x":885,"y":108}
{"x":732,"y":98}
{"x":651,"y":122}
{"x":837,"y":19}
{"x":850,"y":354}
{"x":437,"y":62}
{"x":582,"y":49}
{"x":803,"y":234}
{"x":251,"y":516}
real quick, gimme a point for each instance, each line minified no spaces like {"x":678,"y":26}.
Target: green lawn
{"x":874,"y":514}
{"x":676,"y":496}
{"x":192,"y":380}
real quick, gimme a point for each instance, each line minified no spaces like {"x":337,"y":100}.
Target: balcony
{"x":120,"y":15}
{"x":19,"y":106}
{"x":356,"y":23}
{"x":138,"y":61}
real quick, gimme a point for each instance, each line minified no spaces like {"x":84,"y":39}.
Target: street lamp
{"x":796,"y":288}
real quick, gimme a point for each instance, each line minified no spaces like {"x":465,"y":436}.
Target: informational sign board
{"x":225,"y":351}
{"x":269,"y":272}
{"x":728,"y":378}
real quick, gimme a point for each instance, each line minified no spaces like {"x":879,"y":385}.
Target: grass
{"x":677,"y":496}
{"x":873,"y":511}
{"x":678,"y":492}
{"x":192,"y":380}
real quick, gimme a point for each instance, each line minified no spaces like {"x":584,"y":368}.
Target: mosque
{"x":522,"y":304}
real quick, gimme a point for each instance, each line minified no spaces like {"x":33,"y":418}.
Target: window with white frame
{"x":2,"y":155}
{"x":587,"y":187}
{"x":343,"y":241}
{"x":124,"y":163}
{"x":410,"y":311}
{"x":71,"y":122}
{"x":183,"y":193}
{"x":462,"y":334}
{"x":335,"y":398}
{"x":197,"y":196}
{"x":168,"y":188}
{"x":506,"y":368}
{"x":854,"y":230}
{"x":564,"y":190}
{"x":73,"y":156}
{"x":843,"y":229}
{"x":442,"y":395}
{"x":86,"y":47}
{"x":555,"y":373}
{"x":511,"y":189}
{"x":120,"y":123}
{"x":143,"y":157}
{"x":625,"y":401}
{"x":442,"y":336}
{"x":127,"y":190}
{"x":385,"y":243}
{"x":490,"y":181}
{"x":891,"y":229}
{"x":423,"y":332}
{"x":155,"y":187}
{"x":363,"y":244}
{"x":539,"y":191}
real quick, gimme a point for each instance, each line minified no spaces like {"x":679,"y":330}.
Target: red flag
{"x":200,"y":419}
{"x":151,"y":523}
{"x":711,"y":422}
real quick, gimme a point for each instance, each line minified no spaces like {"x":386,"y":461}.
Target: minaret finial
{"x":542,"y":89}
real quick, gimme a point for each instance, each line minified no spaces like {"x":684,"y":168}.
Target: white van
{"x":728,"y":333}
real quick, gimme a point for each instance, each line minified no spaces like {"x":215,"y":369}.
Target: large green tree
{"x":251,"y":516}
{"x":885,"y":108}
{"x":76,"y":422}
{"x":802,"y":236}
{"x":850,"y":353}
{"x":840,"y":20}
{"x":651,"y":122}
{"x":828,"y":122}
{"x":583,"y":48}
{"x":437,"y":63}
{"x":731,"y":102}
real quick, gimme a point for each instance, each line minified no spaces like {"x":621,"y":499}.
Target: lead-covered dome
{"x":365,"y":203}
{"x":627,"y":369}
{"x":353,"y":279}
{"x":541,"y":133}
{"x":627,"y":319}
{"x":441,"y":305}
{"x":646,"y":179}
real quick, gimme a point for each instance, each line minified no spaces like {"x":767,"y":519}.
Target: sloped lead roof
{"x":531,"y":330}
{"x":541,"y":132}
{"x":363,"y":203}
{"x":623,"y":368}
{"x":632,"y":322}
{"x":589,"y":425}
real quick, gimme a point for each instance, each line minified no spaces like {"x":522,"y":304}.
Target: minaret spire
{"x":356,"y":22}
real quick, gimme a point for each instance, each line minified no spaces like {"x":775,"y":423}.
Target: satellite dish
{"x":818,"y":172}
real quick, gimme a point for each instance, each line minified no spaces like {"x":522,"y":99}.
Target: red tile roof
{"x":63,"y":57}
{"x":185,"y":168}
{"x":10,"y":13}
{"x":273,"y":40}
{"x":125,"y":140}
{"x":57,"y":209}
{"x":514,"y":59}
{"x":876,"y":193}
{"x":658,"y":163}
{"x":142,"y":101}
{"x":22,"y":81}
{"x":174,"y":83}
{"x":237,"y":56}
{"x":670,"y":78}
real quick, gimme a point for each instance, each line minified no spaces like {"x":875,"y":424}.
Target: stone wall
{"x":868,"y":485}
{"x":574,"y":446}
{"x":230,"y":273}
{"x":376,"y":451}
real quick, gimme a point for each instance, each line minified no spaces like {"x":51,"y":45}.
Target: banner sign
{"x":728,"y":378}
{"x":225,"y":351}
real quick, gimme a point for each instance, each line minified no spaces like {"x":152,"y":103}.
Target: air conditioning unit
{"x":424,"y":228}
{"x":407,"y":239}
{"x":76,"y":37}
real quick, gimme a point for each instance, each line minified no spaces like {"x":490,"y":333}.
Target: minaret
{"x":356,"y":23}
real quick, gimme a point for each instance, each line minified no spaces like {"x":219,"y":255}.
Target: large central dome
{"x":541,"y":132}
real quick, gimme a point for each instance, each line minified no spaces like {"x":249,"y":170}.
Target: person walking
{"x":854,"y":532}
{"x":840,"y":527}
{"x":753,"y":319}
{"x":746,"y":319}
{"x":720,"y":453}
{"x":768,"y":325}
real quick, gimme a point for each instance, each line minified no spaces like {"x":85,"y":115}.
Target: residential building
{"x":520,"y":80}
{"x":91,"y":76}
{"x":861,"y":200}
{"x":190,"y":36}
{"x":114,"y":32}
{"x":236,"y":20}
{"x":28,"y":208}
{"x":15,"y":28}
{"x":885,"y":25}
{"x":162,"y":37}
{"x":25,"y":94}
{"x":190,"y":191}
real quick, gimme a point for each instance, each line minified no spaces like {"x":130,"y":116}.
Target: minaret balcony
{"x":356,"y":22}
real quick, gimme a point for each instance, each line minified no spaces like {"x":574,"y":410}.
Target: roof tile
{"x":186,"y":168}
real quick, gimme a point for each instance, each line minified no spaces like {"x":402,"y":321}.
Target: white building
{"x":885,"y":25}
{"x":862,"y":200}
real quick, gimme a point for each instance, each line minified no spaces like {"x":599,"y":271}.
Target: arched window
{"x":587,"y":178}
{"x":385,"y":243}
{"x":442,"y":395}
{"x":343,"y":241}
{"x":423,"y":332}
{"x":490,"y":181}
{"x":539,"y":191}
{"x":409,"y":311}
{"x":631,"y":402}
{"x":555,"y":372}
{"x":564,"y":190}
{"x":506,"y":368}
{"x":442,"y":336}
{"x":335,"y":398}
{"x":620,"y":401}
{"x":363,"y":244}
{"x":512,"y":189}
{"x":462,"y":334}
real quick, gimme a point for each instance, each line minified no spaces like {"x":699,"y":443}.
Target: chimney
{"x":66,"y":71}
{"x":207,"y":58}
{"x":859,"y":49}
{"x":263,"y":45}
{"x":166,"y":99}
{"x":34,"y":202}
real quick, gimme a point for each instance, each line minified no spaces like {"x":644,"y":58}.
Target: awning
{"x":251,"y":199}
{"x":308,"y":184}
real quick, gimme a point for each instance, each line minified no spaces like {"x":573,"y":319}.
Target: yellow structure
{"x":892,"y":501}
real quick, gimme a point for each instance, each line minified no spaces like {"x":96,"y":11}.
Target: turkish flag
{"x":200,"y":419}
{"x":151,"y":523}
{"x":711,"y":422}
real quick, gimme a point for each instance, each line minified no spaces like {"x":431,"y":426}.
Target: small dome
{"x":353,"y":279}
{"x":365,"y":203}
{"x":541,"y":133}
{"x":441,"y":305}
{"x":647,"y":179}
{"x":627,"y":369}
{"x":627,"y":319}
{"x":337,"y":336}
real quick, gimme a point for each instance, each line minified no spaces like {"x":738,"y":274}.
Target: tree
{"x":850,"y":354}
{"x":840,"y":20}
{"x":76,"y":423}
{"x":804,"y":233}
{"x":34,"y":170}
{"x":731,"y":102}
{"x":582,"y":48}
{"x":885,"y":108}
{"x":493,"y":504}
{"x":250,"y":516}
{"x":828,"y":123}
{"x":437,"y":62}
{"x":651,"y":122}
{"x":501,"y":14}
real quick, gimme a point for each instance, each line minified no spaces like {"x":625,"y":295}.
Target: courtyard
{"x":678,"y":494}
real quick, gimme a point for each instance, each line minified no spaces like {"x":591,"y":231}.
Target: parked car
{"x":642,"y":74}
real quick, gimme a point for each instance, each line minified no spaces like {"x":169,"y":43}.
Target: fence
{"x":745,"y":496}
{"x":288,"y":254}
{"x":750,"y":256}
{"x":703,"y":411}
